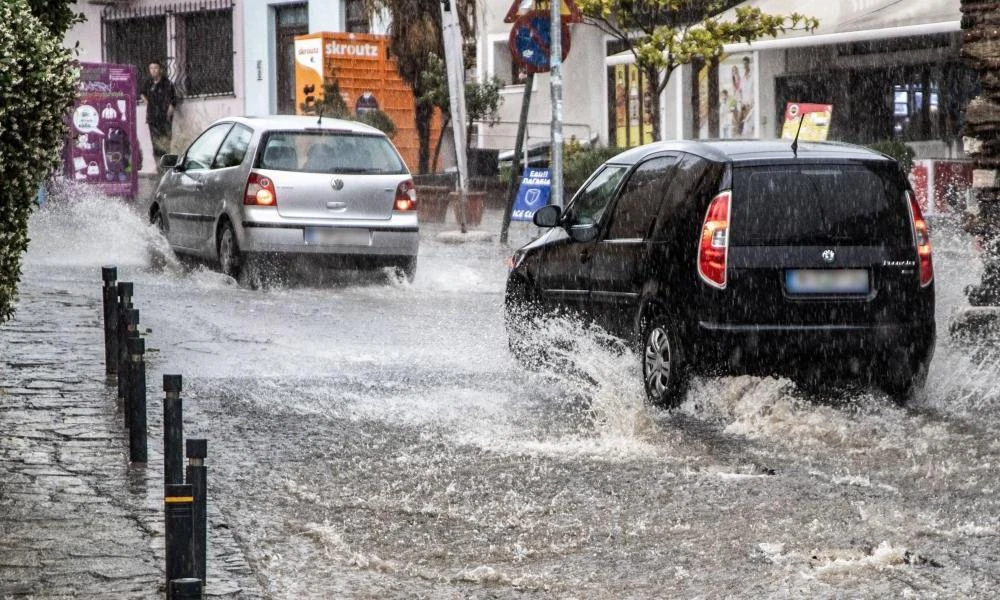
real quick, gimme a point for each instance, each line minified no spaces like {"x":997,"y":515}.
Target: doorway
{"x":290,"y":20}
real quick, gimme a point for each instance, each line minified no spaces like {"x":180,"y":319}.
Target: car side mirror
{"x":547,"y":216}
{"x":169,"y":161}
{"x":583,"y":233}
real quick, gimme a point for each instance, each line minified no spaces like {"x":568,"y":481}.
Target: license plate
{"x":827,"y":281}
{"x":337,"y":236}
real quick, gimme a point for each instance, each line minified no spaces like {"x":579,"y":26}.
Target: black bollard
{"x":173,"y":431}
{"x":110,"y":293}
{"x":187,"y":588}
{"x":137,"y":401}
{"x":177,"y":504}
{"x":197,"y":477}
{"x":125,"y":368}
{"x":124,"y":316}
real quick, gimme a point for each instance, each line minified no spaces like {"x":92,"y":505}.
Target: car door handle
{"x":585,"y":256}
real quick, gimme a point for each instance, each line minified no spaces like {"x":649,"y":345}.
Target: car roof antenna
{"x":319,"y":111}
{"x":795,"y":142}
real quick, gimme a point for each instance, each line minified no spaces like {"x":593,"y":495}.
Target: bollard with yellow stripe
{"x":178,"y":509}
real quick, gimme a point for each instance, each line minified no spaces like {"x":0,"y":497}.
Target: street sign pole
{"x":555,"y":60}
{"x":456,"y":87}
{"x":516,"y":167}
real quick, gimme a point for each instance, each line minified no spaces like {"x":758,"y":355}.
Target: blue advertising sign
{"x":530,"y":41}
{"x":532,"y":195}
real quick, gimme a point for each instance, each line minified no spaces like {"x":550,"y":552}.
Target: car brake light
{"x":406,"y":196}
{"x":714,"y":243}
{"x":922,"y":239}
{"x":260,"y":191}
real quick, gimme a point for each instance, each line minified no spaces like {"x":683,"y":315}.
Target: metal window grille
{"x":193,"y":40}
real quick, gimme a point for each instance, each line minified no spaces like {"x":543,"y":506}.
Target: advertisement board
{"x":815,"y":120}
{"x":533,"y":194}
{"x":367,"y":78}
{"x":103,"y":149}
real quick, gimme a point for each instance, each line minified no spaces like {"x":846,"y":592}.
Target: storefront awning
{"x":846,"y":21}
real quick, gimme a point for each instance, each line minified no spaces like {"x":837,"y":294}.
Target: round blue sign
{"x":531,"y":39}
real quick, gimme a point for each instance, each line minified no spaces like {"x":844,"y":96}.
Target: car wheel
{"x":158,"y":248}
{"x":900,"y":379}
{"x":520,"y":311}
{"x":409,"y":268}
{"x":664,"y":370}
{"x":230,"y":259}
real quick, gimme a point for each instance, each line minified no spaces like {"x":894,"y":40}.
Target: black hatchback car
{"x":741,"y":257}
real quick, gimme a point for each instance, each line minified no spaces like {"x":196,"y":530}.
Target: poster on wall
{"x":103,"y":149}
{"x":815,"y":121}
{"x":633,"y":108}
{"x":738,"y":114}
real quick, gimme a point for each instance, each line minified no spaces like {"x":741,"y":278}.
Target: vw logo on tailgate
{"x":829,"y":255}
{"x":337,"y":184}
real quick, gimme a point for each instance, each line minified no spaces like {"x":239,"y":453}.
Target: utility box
{"x":366,"y":75}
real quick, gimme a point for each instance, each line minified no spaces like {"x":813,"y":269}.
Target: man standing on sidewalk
{"x":160,"y":99}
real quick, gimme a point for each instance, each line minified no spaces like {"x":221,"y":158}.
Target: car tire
{"x":157,"y":249}
{"x":520,"y":310}
{"x":900,"y":379}
{"x":409,"y":268}
{"x":231,"y":260}
{"x":664,"y":370}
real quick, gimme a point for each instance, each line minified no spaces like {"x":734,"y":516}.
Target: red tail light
{"x":714,"y":244}
{"x":260,"y":191}
{"x":922,"y":238}
{"x":406,"y":196}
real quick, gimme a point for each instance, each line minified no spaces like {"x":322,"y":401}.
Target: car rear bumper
{"x":354,"y":240}
{"x":776,"y":346}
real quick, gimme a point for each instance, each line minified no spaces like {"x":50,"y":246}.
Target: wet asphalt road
{"x":373,"y":439}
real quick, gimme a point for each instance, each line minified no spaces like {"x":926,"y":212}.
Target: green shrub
{"x":579,"y":163}
{"x":37,"y":87}
{"x":379,"y":120}
{"x":898,"y":150}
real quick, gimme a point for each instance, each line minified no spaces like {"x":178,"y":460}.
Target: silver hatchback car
{"x":249,"y":189}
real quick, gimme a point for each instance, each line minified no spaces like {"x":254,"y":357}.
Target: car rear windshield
{"x":819,"y":204}
{"x":329,"y":152}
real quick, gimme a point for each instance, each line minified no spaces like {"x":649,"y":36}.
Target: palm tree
{"x":414,"y":38}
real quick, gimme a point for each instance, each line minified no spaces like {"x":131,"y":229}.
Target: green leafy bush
{"x":579,"y":163}
{"x":37,"y":86}
{"x":898,"y":150}
{"x":379,"y":120}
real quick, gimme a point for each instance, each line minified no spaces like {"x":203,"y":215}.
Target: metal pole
{"x":110,"y":292}
{"x":452,"y":41}
{"x":555,"y":61}
{"x":173,"y":431}
{"x":177,"y":510}
{"x":515,"y":167}
{"x":137,"y":401}
{"x":186,"y":588}
{"x":197,"y":477}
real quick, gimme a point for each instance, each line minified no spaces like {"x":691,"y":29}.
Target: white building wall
{"x":192,"y":114}
{"x":585,"y":104}
{"x":771,"y":64}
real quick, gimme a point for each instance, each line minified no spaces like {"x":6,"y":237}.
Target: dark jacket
{"x":159,"y":96}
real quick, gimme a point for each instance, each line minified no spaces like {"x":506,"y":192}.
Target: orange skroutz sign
{"x":368,"y":80}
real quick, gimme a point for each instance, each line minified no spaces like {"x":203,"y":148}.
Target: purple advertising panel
{"x":103,"y":149}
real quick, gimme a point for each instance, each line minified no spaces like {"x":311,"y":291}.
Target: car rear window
{"x":329,"y":152}
{"x":819,"y":204}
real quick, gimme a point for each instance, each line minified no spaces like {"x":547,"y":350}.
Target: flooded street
{"x":375,"y":439}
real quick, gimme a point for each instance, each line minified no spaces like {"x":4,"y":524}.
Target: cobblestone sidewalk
{"x":75,"y":519}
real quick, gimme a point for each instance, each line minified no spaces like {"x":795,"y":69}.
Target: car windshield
{"x":818,"y":204}
{"x":329,"y":152}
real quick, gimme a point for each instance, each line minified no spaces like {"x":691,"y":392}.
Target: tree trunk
{"x":653,"y":77}
{"x":437,"y":146}
{"x":423,"y":117}
{"x":981,"y":48}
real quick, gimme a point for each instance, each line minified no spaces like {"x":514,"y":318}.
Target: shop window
{"x":355,"y":17}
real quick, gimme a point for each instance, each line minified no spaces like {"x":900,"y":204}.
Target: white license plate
{"x":827,"y":281}
{"x":337,"y":236}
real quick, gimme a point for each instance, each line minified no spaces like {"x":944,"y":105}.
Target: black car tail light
{"x":713,"y":247}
